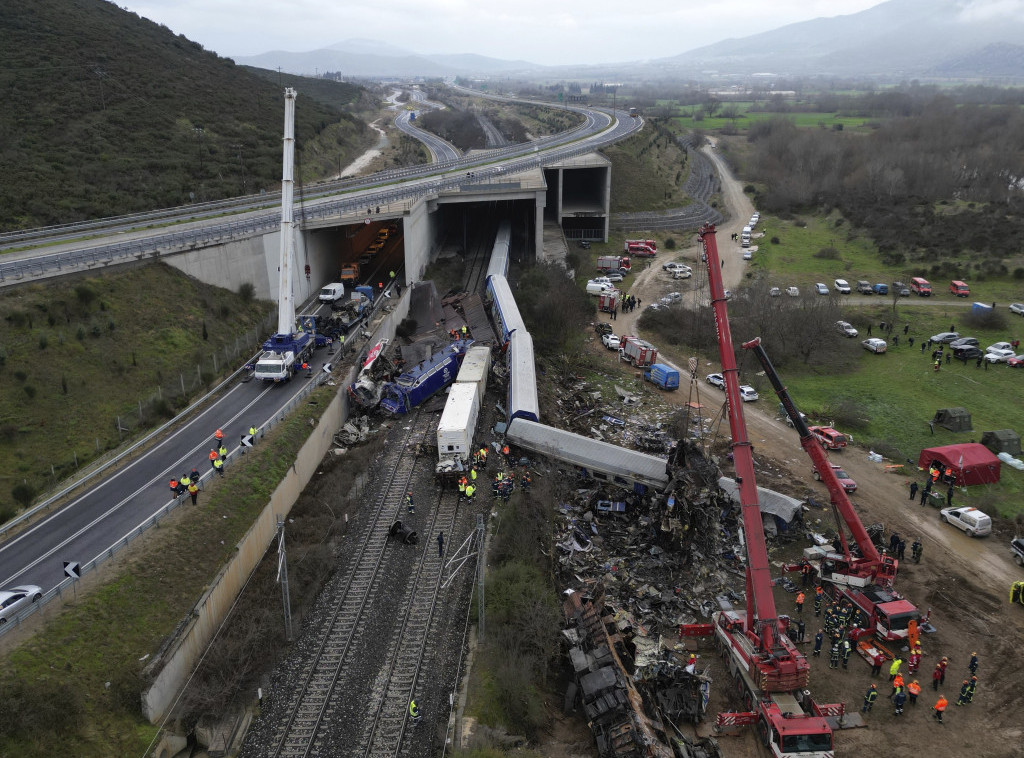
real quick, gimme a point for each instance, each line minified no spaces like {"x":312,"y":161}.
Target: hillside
{"x":108,"y":113}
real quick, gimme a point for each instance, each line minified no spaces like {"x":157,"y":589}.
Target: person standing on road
{"x":913,"y":490}
{"x":901,"y":548}
{"x":916,"y":550}
{"x":936,"y":677}
{"x":800,"y":630}
{"x":898,"y":700}
{"x":440,"y":544}
{"x":965,"y":688}
{"x":869,"y":699}
{"x":818,"y":639}
{"x":218,"y":466}
{"x":894,"y":669}
{"x":193,"y":491}
{"x":973,"y":665}
{"x":913,"y":690}
{"x":942,"y":669}
{"x":924,"y":494}
{"x":971,"y":688}
{"x":847,"y":649}
{"x":410,"y":506}
{"x":949,"y":496}
{"x":940,"y":708}
{"x":800,"y":603}
{"x":833,"y":656}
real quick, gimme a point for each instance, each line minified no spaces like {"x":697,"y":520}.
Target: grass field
{"x":684,"y":117}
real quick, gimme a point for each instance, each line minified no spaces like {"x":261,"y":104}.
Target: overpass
{"x":558,"y":179}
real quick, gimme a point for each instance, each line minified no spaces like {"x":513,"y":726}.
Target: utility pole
{"x":282,"y":578}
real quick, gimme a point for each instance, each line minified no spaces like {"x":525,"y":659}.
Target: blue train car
{"x":498,"y":264}
{"x":424,"y":380}
{"x":522,"y":378}
{"x":504,"y":310}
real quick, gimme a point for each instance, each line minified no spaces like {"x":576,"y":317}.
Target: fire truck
{"x":768,"y":673}
{"x":855,"y":572}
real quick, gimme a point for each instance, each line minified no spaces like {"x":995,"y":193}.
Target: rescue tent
{"x":1002,"y":441}
{"x":971,"y":463}
{"x":954,"y":419}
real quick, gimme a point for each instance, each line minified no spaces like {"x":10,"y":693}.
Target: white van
{"x":745,"y":237}
{"x":595,"y":287}
{"x":332,"y":293}
{"x":971,"y":520}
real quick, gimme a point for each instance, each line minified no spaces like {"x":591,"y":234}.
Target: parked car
{"x":875,"y":345}
{"x":864,"y":287}
{"x":715,"y":380}
{"x":673,"y":297}
{"x":673,"y":266}
{"x":774,"y":292}
{"x":603,"y":328}
{"x":1016,"y":361}
{"x":829,"y":438}
{"x":945,"y":337}
{"x":959,"y":288}
{"x":844,"y":479}
{"x":585,"y":244}
{"x":964,"y":342}
{"x":1017,"y":308}
{"x":968,"y":353}
{"x":613,"y":276}
{"x":842,"y":287}
{"x":728,"y":294}
{"x":821,"y":289}
{"x":596,"y":288}
{"x":17,"y":599}
{"x":610,"y":341}
{"x":998,"y":356}
{"x":747,"y":393}
{"x":999,"y":346}
{"x":882,"y":289}
{"x":846,"y":328}
{"x":682,"y":273}
{"x":903,"y":289}
{"x":971,"y":520}
{"x":654,"y":307}
{"x":793,"y":291}
{"x":747,"y":254}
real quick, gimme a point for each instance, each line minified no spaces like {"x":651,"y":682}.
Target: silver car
{"x":17,"y":599}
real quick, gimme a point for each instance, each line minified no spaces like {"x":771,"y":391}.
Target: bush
{"x":670,"y":243}
{"x":23,"y":494}
{"x":44,"y":341}
{"x":827,"y":253}
{"x":774,"y":240}
{"x":985,"y":320}
{"x":29,"y":709}
{"x":847,"y":413}
{"x":247,"y":291}
{"x":85,"y":294}
{"x":1018,"y":273}
{"x":750,"y":189}
{"x":30,"y":391}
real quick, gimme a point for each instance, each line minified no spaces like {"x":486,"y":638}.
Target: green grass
{"x":102,"y":637}
{"x":684,"y":118}
{"x":648,"y":172}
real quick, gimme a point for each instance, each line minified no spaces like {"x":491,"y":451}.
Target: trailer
{"x":662,"y":376}
{"x":475,"y":368}
{"x":638,"y":352}
{"x":458,"y":421}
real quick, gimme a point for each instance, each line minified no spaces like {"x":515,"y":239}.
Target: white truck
{"x":455,"y":429}
{"x":474,"y":370}
{"x":745,"y":236}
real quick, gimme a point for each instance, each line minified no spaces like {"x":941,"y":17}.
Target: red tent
{"x":971,"y":463}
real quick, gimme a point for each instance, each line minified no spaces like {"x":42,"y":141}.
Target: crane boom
{"x":286,"y":300}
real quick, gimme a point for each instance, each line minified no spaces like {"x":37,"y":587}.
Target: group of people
{"x":187,"y":483}
{"x":934,"y":476}
{"x":459,"y":334}
{"x":630,"y":303}
{"x":190,"y":483}
{"x":901,"y":691}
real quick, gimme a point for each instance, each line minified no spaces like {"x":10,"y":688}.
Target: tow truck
{"x":857,"y":573}
{"x":768,"y":673}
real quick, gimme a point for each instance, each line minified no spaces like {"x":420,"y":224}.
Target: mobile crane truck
{"x":768,"y":673}
{"x":858,"y":574}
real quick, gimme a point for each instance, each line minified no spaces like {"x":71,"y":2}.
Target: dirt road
{"x":964,"y":582}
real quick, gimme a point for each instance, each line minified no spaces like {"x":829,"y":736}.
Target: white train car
{"x":498,"y":264}
{"x":522,"y":378}
{"x":458,"y":423}
{"x":475,"y":368}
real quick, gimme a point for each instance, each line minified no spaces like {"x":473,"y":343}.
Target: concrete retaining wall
{"x":172,"y":667}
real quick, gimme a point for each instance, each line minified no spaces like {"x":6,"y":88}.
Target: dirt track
{"x":964,"y":582}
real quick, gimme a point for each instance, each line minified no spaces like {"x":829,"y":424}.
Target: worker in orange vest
{"x":218,"y":435}
{"x":940,"y":708}
{"x":913,"y":689}
{"x":897,"y":685}
{"x":213,"y":456}
{"x":800,"y":603}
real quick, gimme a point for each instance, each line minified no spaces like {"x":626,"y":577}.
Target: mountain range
{"x":898,"y":39}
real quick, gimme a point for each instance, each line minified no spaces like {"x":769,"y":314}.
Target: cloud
{"x":991,"y":10}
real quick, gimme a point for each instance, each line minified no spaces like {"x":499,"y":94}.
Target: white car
{"x":842,"y":287}
{"x":998,"y":346}
{"x":682,"y":273}
{"x":747,"y":393}
{"x":747,"y":255}
{"x":610,"y":341}
{"x":1017,"y":308}
{"x":613,"y":276}
{"x":596,"y":288}
{"x":998,"y":356}
{"x":672,"y":297}
{"x":17,"y":599}
{"x":774,"y":292}
{"x":674,"y":266}
{"x":971,"y":520}
{"x":846,"y":328}
{"x":728,"y":294}
{"x":793,"y":291}
{"x":715,"y":380}
{"x":820,"y":288}
{"x":875,"y":345}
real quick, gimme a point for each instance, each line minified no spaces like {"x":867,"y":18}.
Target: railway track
{"x":303,"y":732}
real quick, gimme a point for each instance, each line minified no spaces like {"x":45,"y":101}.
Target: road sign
{"x":73,"y":569}
{"x":366,"y":221}
{"x":246,"y":440}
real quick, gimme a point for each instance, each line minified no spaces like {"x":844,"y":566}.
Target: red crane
{"x":768,"y":672}
{"x":864,"y":577}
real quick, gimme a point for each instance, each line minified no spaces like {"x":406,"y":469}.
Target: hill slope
{"x":109,"y":113}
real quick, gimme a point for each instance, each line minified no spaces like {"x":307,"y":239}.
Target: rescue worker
{"x":472,"y":474}
{"x":936,"y":676}
{"x":223,"y":452}
{"x":847,"y":649}
{"x":440,"y":544}
{"x":869,"y":699}
{"x":913,"y":690}
{"x":193,"y":491}
{"x":194,"y":475}
{"x":470,"y":491}
{"x":818,"y":639}
{"x":897,"y":685}
{"x":894,"y":669}
{"x":462,"y":487}
{"x":964,"y":689}
{"x":410,"y":506}
{"x":833,"y":656}
{"x":916,"y":550}
{"x":973,"y":665}
{"x":942,"y":666}
{"x":876,"y":664}
{"x":800,"y":629}
{"x":940,"y":708}
{"x":465,"y":332}
{"x":483,"y":455}
{"x":507,"y":453}
{"x":218,"y":466}
{"x":527,"y":481}
{"x":805,"y":573}
{"x":174,"y":486}
{"x":218,"y":436}
{"x":414,"y":712}
{"x":819,"y":594}
{"x":914,"y":661}
{"x":252,"y":429}
{"x":972,"y":686}
{"x":800,"y":597}
{"x":898,"y":701}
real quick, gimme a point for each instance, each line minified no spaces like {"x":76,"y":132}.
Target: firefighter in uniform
{"x":833,"y":656}
{"x":965,"y":688}
{"x":869,"y":699}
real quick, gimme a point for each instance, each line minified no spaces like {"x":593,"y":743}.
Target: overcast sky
{"x":539,"y":31}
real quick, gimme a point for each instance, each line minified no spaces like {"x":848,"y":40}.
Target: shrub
{"x":85,"y":294}
{"x":44,"y":341}
{"x":247,"y":291}
{"x":750,"y":189}
{"x":774,"y":240}
{"x":670,"y":243}
{"x":985,"y":320}
{"x":827,"y":253}
{"x":1018,"y":273}
{"x":800,"y":223}
{"x":847,"y":413}
{"x":23,"y":494}
{"x":30,"y":391}
{"x":20,"y":375}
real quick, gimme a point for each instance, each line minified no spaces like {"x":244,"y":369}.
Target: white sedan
{"x":998,"y":346}
{"x":793,"y":291}
{"x":747,"y":393}
{"x":715,"y":380}
{"x":875,"y":345}
{"x":1017,"y":308}
{"x":17,"y":599}
{"x":845,"y":328}
{"x":610,"y":341}
{"x":998,"y":356}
